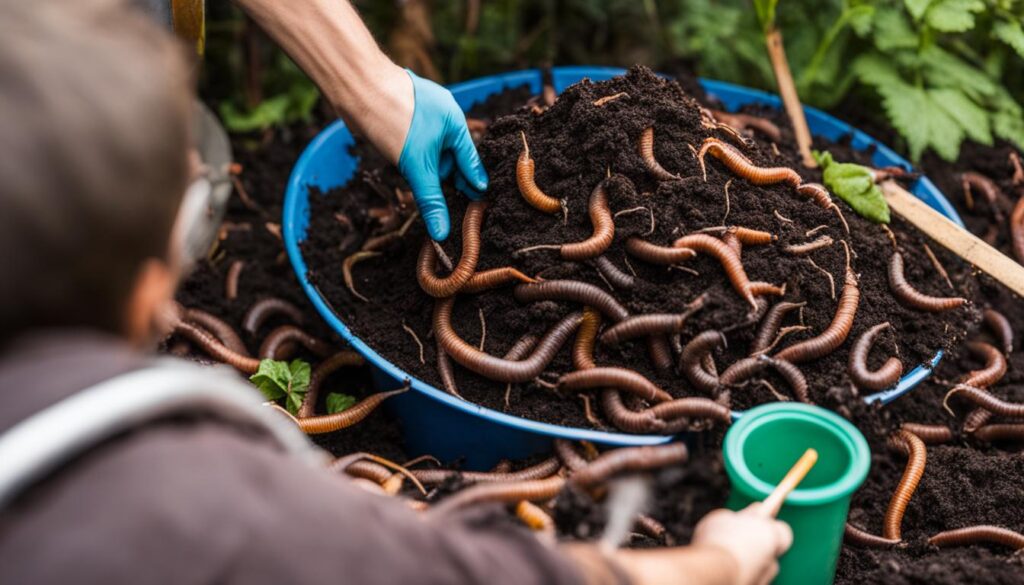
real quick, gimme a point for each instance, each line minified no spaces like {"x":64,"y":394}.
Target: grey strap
{"x":40,"y":444}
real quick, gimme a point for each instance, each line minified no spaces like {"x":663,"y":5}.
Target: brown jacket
{"x":192,"y":500}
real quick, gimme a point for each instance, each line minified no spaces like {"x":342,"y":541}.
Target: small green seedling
{"x":854,"y":184}
{"x":337,"y":402}
{"x":280,"y":379}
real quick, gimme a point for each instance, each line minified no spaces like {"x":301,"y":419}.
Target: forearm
{"x":692,"y":565}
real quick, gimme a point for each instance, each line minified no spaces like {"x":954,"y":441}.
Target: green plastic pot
{"x":759,"y":450}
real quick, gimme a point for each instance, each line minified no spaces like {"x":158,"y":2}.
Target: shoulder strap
{"x":40,"y":444}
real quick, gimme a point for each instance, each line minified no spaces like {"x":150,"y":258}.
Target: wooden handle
{"x":773,"y":503}
{"x":953,"y":237}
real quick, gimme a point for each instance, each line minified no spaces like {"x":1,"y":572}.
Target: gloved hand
{"x":437,"y":141}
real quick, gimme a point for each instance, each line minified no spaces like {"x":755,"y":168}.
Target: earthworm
{"x":568,"y":455}
{"x":739,"y":164}
{"x":604,"y":229}
{"x":984,"y":399}
{"x":535,"y":518}
{"x":733,"y":242}
{"x":981,"y":534}
{"x":650,"y":324}
{"x":748,"y":236}
{"x":835,"y":334}
{"x":760,"y":289}
{"x":276,"y":339}
{"x":984,"y":185}
{"x":343,"y":463}
{"x":613,"y":377}
{"x":534,"y":490}
{"x":445,"y":287}
{"x":229,"y":227}
{"x":929,"y":434}
{"x":611,"y":272}
{"x":328,"y":423}
{"x":655,"y":254}
{"x":492,"y":367}
{"x":909,"y":444}
{"x":629,"y":459}
{"x":628,"y":420}
{"x":545,"y":468}
{"x":1018,"y":170}
{"x":374,"y":472}
{"x":691,"y":407}
{"x":215,"y":348}
{"x":730,"y":260}
{"x":599,"y":102}
{"x":856,"y":536}
{"x":828,"y":275}
{"x":263,"y":309}
{"x":770,"y":325}
{"x":519,"y":350}
{"x":908,"y":295}
{"x":1001,"y":432}
{"x":653,"y":529}
{"x":646,"y":149}
{"x":857,"y":366}
{"x":1001,"y":327}
{"x":572,"y":291}
{"x":976,"y":419}
{"x":660,"y":352}
{"x":346,"y":270}
{"x":993,"y":370}
{"x":808,"y":247}
{"x":445,"y":369}
{"x":938,"y":266}
{"x":690,"y":360}
{"x":345,"y":358}
{"x":819,"y":194}
{"x":742,"y":121}
{"x":1017,"y":229}
{"x":220,"y":329}
{"x":493,"y":278}
{"x":231,"y":282}
{"x":528,"y":187}
{"x":747,"y":368}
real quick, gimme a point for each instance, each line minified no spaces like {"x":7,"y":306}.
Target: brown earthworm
{"x":690,"y":360}
{"x":908,"y":295}
{"x":545,"y":468}
{"x":913,"y":447}
{"x":533,"y":490}
{"x":231,"y":282}
{"x":328,"y":423}
{"x":535,"y":518}
{"x":808,"y":247}
{"x":819,"y":194}
{"x":743,"y":235}
{"x":660,"y":352}
{"x":747,"y":368}
{"x":743,"y":167}
{"x":976,"y":419}
{"x":929,"y":434}
{"x":629,"y":459}
{"x":856,"y":536}
{"x":492,"y":367}
{"x":343,"y":463}
{"x":857,"y":366}
{"x":645,"y":146}
{"x":220,"y":329}
{"x":613,"y":377}
{"x":691,"y":407}
{"x":611,"y":272}
{"x":276,"y":339}
{"x":650,"y":324}
{"x":741,"y":121}
{"x":993,"y":370}
{"x":600,"y":102}
{"x":1018,"y":171}
{"x":1001,"y":328}
{"x":583,"y":346}
{"x":572,"y":291}
{"x":835,"y":334}
{"x":653,"y":529}
{"x":770,"y":325}
{"x":761,"y":289}
{"x":374,"y":472}
{"x":1017,"y":229}
{"x":726,"y":256}
{"x":445,"y":369}
{"x":983,"y":399}
{"x":981,"y":534}
{"x":1001,"y":432}
{"x":604,"y":229}
{"x":263,"y":309}
{"x":345,"y":358}
{"x":628,"y":420}
{"x":987,"y":187}
{"x":346,"y":271}
{"x":519,"y":350}
{"x":447,"y":286}
{"x":493,"y":278}
{"x":528,"y":187}
{"x":215,"y":348}
{"x":654,"y":254}
{"x":568,"y":455}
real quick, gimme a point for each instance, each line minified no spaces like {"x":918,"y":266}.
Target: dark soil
{"x":575,"y":144}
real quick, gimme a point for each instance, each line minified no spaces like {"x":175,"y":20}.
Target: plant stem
{"x":809,"y":74}
{"x":790,"y":98}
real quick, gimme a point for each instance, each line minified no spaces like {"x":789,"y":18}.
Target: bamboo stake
{"x":790,"y":98}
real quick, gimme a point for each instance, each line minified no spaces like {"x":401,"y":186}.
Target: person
{"x":94,"y":139}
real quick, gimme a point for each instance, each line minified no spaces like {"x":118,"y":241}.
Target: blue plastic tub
{"x":449,"y":428}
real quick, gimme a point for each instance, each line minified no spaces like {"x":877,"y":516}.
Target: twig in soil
{"x":217,"y":350}
{"x":229,"y":227}
{"x":892,"y":237}
{"x":908,"y":295}
{"x":782,"y":334}
{"x":379,"y":242}
{"x":629,"y":459}
{"x":234,"y":171}
{"x":613,"y":377}
{"x":645,"y":146}
{"x":781,"y":217}
{"x":274,"y":229}
{"x":811,"y":232}
{"x":636,"y":209}
{"x":629,"y":266}
{"x":831,"y":280}
{"x":747,"y":368}
{"x":725,"y":216}
{"x":588,"y":412}
{"x":231,"y":282}
{"x":346,"y":271}
{"x":740,"y":165}
{"x":779,"y":396}
{"x":438,"y":287}
{"x":264,"y":309}
{"x":442,"y":256}
{"x":416,"y":339}
{"x":528,"y":187}
{"x":857,"y":365}
{"x":913,"y":447}
{"x":938,"y":266}
{"x":599,"y":102}
{"x":483,"y":329}
{"x":685,"y":269}
{"x":1000,"y":327}
{"x":982,"y":534}
{"x":808,"y":247}
{"x":770,"y":326}
{"x":740,"y":121}
{"x":282,"y":340}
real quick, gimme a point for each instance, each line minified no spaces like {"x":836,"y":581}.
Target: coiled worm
{"x":264,"y":309}
{"x":909,"y":296}
{"x":444,"y":287}
{"x":345,"y":358}
{"x":770,"y":325}
{"x":693,"y":355}
{"x":274,"y":344}
{"x":857,"y":367}
{"x":747,"y":368}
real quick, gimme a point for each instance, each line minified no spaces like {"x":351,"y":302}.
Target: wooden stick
{"x":790,"y":98}
{"x":773,"y":503}
{"x":954,"y":238}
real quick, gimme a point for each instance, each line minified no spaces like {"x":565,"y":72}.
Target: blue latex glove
{"x":438,"y":141}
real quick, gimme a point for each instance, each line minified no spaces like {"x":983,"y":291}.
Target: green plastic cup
{"x":759,"y":450}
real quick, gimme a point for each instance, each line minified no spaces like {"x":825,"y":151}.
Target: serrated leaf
{"x":971,"y":117}
{"x":300,"y":371}
{"x":272,"y":378}
{"x":875,"y":70}
{"x":337,"y":402}
{"x":1008,"y":119}
{"x":1011,"y":33}
{"x":892,"y":30}
{"x":855,"y":185}
{"x":917,"y":8}
{"x":943,"y":69}
{"x":953,"y":15}
{"x":861,"y":18}
{"x":917,"y":117}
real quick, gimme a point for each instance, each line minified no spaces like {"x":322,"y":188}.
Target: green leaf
{"x":300,"y":374}
{"x":944,"y":69}
{"x":339,"y":402}
{"x":917,"y":8}
{"x":861,"y":18}
{"x":892,"y":31}
{"x":1008,"y":119}
{"x":279,"y":379}
{"x":1010,"y":32}
{"x":971,"y":117}
{"x":766,"y":12}
{"x":953,"y":15}
{"x":855,"y":185}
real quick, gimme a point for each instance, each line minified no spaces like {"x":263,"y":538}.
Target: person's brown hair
{"x":94,"y":129}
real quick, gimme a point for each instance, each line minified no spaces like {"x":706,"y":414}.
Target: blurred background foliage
{"x":937,"y":71}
